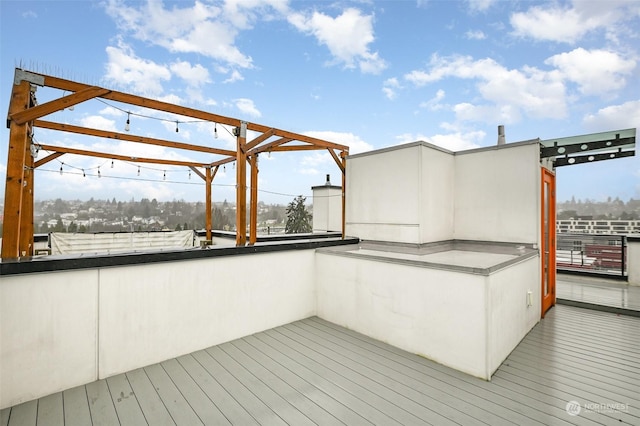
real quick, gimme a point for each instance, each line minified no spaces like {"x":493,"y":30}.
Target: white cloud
{"x":569,"y":24}
{"x":98,"y":122}
{"x":29,"y":14}
{"x":456,"y":141}
{"x":114,"y":112}
{"x":124,"y":68}
{"x":596,"y":72}
{"x":624,"y":116}
{"x":434,"y":104}
{"x":480,"y":5}
{"x":194,"y":76}
{"x":355,"y":144}
{"x":347,"y":37}
{"x":390,"y":87}
{"x":247,"y":106}
{"x":475,"y":35}
{"x":512,"y":92}
{"x":190,"y":29}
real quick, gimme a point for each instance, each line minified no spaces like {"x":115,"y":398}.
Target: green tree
{"x":298,"y":218}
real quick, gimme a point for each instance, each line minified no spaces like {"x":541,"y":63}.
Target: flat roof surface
{"x":316,"y":372}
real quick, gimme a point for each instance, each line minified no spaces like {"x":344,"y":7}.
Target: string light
{"x":138,"y":170}
{"x":83,"y":175}
{"x":215,"y":130}
{"x":61,"y":168}
{"x":126,"y":126}
{"x":234,"y":165}
{"x":189,"y":174}
{"x":177,"y":130}
{"x":224,"y":167}
{"x":269,"y":154}
{"x":99,"y":175}
{"x":112,"y":164}
{"x":164,"y":175}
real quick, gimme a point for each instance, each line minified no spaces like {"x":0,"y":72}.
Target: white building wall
{"x":497,"y":194}
{"x":436,"y":195}
{"x":48,"y":333}
{"x":434,"y":313}
{"x":383,"y":195}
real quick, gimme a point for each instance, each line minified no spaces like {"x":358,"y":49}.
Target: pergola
{"x":25,"y":114}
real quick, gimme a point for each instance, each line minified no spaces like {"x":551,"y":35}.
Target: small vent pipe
{"x":501,"y":140}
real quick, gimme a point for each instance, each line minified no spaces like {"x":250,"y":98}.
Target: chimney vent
{"x":501,"y":140}
{"x":328,"y":182}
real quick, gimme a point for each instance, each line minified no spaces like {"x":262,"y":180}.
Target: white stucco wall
{"x":436,"y":195}
{"x":497,"y":194}
{"x":509,"y":317}
{"x":149,"y":313}
{"x":434,"y":313}
{"x":383,"y":195}
{"x":465,"y":321}
{"x":327,"y":209}
{"x":62,"y":329}
{"x":48,"y":333}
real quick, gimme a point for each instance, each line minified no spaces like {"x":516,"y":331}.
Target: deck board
{"x":24,"y":414}
{"x":315,"y":372}
{"x":101,"y":407}
{"x":76,"y":407}
{"x":50,"y":410}
{"x":124,"y":399}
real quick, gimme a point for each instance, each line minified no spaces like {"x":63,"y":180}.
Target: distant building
{"x":597,"y":226}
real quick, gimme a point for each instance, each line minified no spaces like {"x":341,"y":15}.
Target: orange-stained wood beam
{"x":128,"y":137}
{"x":208,"y":221}
{"x":18,"y":146}
{"x":46,"y":159}
{"x":25,"y":247}
{"x":257,"y":141}
{"x":241,"y":187}
{"x":337,"y":159}
{"x":58,"y":104}
{"x":253,"y":209}
{"x":290,"y":148}
{"x":199,"y":173}
{"x":62,"y":84}
{"x":64,"y":150}
{"x":343,"y":155}
{"x":269,"y":146}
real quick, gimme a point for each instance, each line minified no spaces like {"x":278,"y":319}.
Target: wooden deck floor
{"x":314,"y":372}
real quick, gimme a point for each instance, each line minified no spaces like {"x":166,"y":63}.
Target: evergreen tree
{"x":298,"y":218}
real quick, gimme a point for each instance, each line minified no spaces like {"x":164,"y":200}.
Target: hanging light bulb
{"x":138,"y":170}
{"x":215,"y":130}
{"x":126,"y":126}
{"x":189,"y":174}
{"x":269,"y":154}
{"x":99,"y":175}
{"x":177,"y":130}
{"x":164,"y":175}
{"x":224,"y":167}
{"x":61,"y":168}
{"x":234,"y":165}
{"x":83,"y":175}
{"x":112,"y":164}
{"x":71,"y":108}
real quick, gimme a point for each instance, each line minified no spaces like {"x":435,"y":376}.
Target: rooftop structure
{"x":449,"y":258}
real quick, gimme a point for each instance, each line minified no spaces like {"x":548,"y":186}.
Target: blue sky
{"x":368,"y":74}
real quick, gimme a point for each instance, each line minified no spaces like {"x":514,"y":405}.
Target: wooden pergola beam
{"x":14,"y":207}
{"x":46,"y":159}
{"x":129,"y":137}
{"x":57,"y":104}
{"x":64,"y":150}
{"x":263,"y":137}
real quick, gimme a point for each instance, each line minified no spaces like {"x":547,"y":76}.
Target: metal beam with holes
{"x":590,"y":148}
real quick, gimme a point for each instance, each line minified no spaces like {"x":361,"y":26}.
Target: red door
{"x":548,"y":246}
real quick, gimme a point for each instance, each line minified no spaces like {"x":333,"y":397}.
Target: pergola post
{"x":208,"y":179}
{"x":241,"y":185}
{"x":253,"y":209}
{"x":26,"y":218}
{"x":343,"y":156}
{"x":14,"y":211}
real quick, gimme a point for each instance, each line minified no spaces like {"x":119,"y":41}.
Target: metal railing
{"x":602,"y":254}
